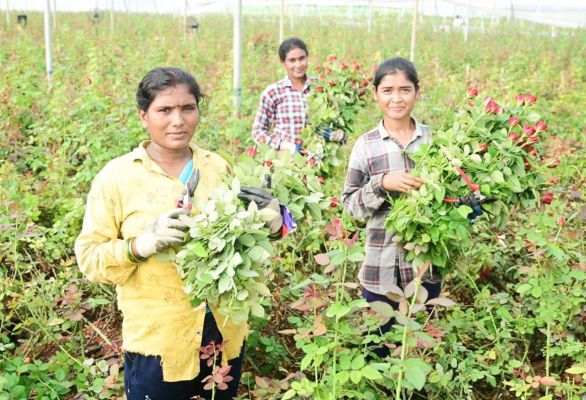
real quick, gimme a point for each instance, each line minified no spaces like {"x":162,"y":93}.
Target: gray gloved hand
{"x":338,"y":136}
{"x":263,"y":199}
{"x":332,"y":135}
{"x":163,"y":232}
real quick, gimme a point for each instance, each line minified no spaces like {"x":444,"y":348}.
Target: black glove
{"x":261,"y":197}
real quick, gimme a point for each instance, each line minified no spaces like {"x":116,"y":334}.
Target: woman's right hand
{"x":166,"y":230}
{"x":400,"y":182}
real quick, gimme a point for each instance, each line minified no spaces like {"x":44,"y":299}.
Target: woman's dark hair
{"x":290,"y":44}
{"x":391,"y":66}
{"x":161,"y":78}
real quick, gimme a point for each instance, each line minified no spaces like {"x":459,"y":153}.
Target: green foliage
{"x":519,"y":287}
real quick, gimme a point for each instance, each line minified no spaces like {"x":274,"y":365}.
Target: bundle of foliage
{"x":500,"y":156}
{"x":224,"y":260}
{"x":339,"y":94}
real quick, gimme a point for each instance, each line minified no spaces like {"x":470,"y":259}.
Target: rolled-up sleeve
{"x":363,"y":193}
{"x":99,"y":249}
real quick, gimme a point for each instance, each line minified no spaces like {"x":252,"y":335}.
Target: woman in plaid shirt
{"x":379,"y":167}
{"x":282,"y":112}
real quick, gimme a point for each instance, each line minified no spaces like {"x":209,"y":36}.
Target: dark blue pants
{"x":143,"y":375}
{"x":433,"y":288}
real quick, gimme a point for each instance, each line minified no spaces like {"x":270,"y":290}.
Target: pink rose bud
{"x":267,"y":163}
{"x":553,"y":163}
{"x":319,"y":88}
{"x":553,"y":181}
{"x":540,"y":126}
{"x":528,"y":130}
{"x":561,"y":221}
{"x":251,"y":151}
{"x":514,"y":121}
{"x":491,"y":107}
{"x":472,"y":91}
{"x":530,"y":99}
{"x":513,"y":136}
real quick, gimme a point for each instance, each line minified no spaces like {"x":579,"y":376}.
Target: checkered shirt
{"x":281,"y":115}
{"x":374,"y":154}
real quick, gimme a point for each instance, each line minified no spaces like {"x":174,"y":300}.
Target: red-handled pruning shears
{"x":474,"y":201}
{"x":185,"y":200}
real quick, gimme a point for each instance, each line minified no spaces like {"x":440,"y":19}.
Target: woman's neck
{"x":171,"y":161}
{"x":298,"y":84}
{"x":402,"y":130}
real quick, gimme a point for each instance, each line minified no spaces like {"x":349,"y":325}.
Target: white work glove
{"x":164,"y":231}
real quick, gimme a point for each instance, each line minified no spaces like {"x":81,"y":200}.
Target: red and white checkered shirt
{"x":281,"y":115}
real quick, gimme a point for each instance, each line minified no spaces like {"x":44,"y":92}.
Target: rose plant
{"x":498,"y":150}
{"x":338,"y":95}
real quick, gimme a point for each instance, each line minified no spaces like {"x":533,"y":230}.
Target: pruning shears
{"x":474,"y":200}
{"x":185,"y":200}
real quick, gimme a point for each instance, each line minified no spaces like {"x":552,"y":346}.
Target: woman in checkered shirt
{"x":379,"y":167}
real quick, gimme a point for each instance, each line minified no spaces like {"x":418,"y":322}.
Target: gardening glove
{"x":332,"y":135}
{"x":263,"y":199}
{"x":164,"y":231}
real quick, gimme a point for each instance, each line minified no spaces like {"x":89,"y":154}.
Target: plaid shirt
{"x":283,"y":108}
{"x":374,"y":154}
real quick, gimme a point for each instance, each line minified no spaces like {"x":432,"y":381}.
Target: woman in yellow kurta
{"x":131,"y":215}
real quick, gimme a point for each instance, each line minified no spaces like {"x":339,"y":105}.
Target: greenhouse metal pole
{"x":282,"y":22}
{"x":237,"y":57}
{"x":414,"y":30}
{"x":54,"y":14}
{"x":48,"y":57}
{"x":111,"y":15}
{"x":369,"y":16}
{"x":467,"y":21}
{"x":185,"y":19}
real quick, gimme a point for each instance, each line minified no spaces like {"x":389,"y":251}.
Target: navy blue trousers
{"x":433,"y":288}
{"x":143,"y":375}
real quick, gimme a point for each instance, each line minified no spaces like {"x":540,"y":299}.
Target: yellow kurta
{"x":126,"y":195}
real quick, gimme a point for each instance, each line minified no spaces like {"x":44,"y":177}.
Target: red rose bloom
{"x":319,"y":88}
{"x":472,"y":91}
{"x":547,"y":198}
{"x":267,"y":163}
{"x":334,"y":202}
